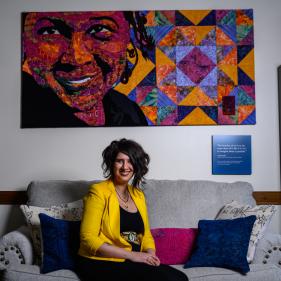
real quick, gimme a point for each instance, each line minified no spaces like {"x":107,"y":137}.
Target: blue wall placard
{"x":231,"y":155}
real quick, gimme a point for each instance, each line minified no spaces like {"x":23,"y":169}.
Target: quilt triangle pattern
{"x":195,"y":16}
{"x":227,"y":18}
{"x":197,"y":117}
{"x":199,"y":58}
{"x":222,"y":38}
{"x":197,"y":97}
{"x":167,"y":115}
{"x":181,"y":20}
{"x":209,"y":19}
{"x":205,"y":35}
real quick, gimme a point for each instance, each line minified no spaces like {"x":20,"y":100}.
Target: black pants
{"x":97,"y":270}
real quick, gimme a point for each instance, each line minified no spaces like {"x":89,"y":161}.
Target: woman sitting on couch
{"x":115,"y":238}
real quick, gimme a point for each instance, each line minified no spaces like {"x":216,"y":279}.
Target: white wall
{"x":176,"y":152}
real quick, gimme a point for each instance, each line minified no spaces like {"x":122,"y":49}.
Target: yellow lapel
{"x":113,"y":211}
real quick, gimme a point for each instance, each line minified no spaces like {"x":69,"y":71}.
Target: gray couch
{"x":171,"y":203}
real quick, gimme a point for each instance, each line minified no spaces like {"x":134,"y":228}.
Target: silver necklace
{"x":124,"y":200}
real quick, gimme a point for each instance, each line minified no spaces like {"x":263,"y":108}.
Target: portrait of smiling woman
{"x":71,"y":62}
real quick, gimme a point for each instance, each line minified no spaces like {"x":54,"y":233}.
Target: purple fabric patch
{"x":196,"y":65}
{"x":228,"y":105}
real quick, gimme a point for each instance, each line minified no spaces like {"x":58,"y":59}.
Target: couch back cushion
{"x":171,"y":203}
{"x":55,"y":192}
{"x":182,"y":203}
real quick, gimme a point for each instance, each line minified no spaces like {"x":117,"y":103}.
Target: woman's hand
{"x":148,"y":258}
{"x":112,"y":251}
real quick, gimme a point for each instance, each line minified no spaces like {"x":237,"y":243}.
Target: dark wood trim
{"x":267,"y":197}
{"x":279,"y":111}
{"x":13,"y":197}
{"x":261,"y":197}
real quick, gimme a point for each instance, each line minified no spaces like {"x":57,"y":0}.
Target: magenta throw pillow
{"x":174,"y":245}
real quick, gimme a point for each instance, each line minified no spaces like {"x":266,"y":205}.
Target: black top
{"x":131,"y":225}
{"x":41,"y":108}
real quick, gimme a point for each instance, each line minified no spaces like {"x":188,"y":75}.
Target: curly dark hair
{"x":140,"y":38}
{"x":139,"y":159}
{"x":137,"y":20}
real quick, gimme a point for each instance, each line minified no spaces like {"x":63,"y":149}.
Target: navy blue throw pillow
{"x":60,"y":243}
{"x":223,"y":243}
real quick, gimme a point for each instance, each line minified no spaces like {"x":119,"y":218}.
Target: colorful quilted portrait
{"x":137,"y":68}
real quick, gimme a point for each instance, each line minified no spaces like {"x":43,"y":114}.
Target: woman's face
{"x":79,"y":55}
{"x":123,"y":169}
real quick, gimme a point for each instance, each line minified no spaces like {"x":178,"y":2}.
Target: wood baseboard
{"x":261,"y":197}
{"x":267,"y":197}
{"x":13,"y":197}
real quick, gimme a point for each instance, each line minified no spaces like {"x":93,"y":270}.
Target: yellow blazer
{"x":101,"y":221}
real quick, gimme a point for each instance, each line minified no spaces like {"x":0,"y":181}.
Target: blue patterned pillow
{"x":223,"y":243}
{"x":60,"y":243}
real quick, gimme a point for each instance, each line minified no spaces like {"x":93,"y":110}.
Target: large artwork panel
{"x":138,"y":68}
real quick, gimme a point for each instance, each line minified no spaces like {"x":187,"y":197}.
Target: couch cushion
{"x":60,"y":243}
{"x":263,"y":213}
{"x":174,"y":245}
{"x":258,"y":272}
{"x":182,"y":203}
{"x":32,"y":273}
{"x":55,"y":192}
{"x":223,"y":243}
{"x":69,"y":211}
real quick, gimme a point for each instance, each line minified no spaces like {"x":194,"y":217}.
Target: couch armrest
{"x":268,"y":250}
{"x":16,"y":248}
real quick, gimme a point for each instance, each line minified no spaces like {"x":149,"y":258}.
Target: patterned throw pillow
{"x":223,"y":243}
{"x":263,"y":213}
{"x":174,"y":245}
{"x":68,"y":211}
